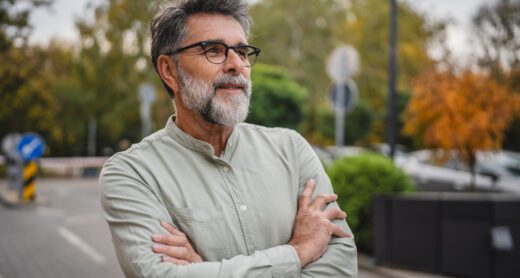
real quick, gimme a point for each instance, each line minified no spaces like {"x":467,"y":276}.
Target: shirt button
{"x":243,"y":207}
{"x":226,"y":169}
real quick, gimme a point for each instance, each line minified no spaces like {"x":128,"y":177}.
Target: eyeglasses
{"x":217,"y":52}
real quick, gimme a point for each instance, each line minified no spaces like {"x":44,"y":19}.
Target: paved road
{"x":64,"y":235}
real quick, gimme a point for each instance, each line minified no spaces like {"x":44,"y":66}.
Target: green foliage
{"x":277,"y":99}
{"x":102,"y":86}
{"x":366,"y":28}
{"x":28,"y":77}
{"x":358,"y":123}
{"x":56,"y":91}
{"x":356,"y":181}
{"x":298,"y":36}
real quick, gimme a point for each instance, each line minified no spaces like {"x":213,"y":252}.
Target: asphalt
{"x":63,"y":234}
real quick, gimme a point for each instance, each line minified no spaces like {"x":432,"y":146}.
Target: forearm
{"x":280,"y":261}
{"x":134,"y":215}
{"x":340,"y":260}
{"x":133,"y":244}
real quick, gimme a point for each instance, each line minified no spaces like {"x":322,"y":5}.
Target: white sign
{"x":342,"y":64}
{"x":146,"y":93}
{"x":147,"y":97}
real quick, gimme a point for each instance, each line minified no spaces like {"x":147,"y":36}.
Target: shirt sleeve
{"x":340,"y":258}
{"x":133,"y":213}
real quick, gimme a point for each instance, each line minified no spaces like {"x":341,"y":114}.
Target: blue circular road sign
{"x":31,"y":146}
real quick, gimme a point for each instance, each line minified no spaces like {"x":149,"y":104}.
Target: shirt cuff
{"x":284,"y":260}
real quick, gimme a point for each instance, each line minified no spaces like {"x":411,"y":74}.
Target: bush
{"x":277,"y":99}
{"x":356,"y":181}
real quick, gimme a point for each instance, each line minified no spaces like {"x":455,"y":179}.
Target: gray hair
{"x":168,"y":28}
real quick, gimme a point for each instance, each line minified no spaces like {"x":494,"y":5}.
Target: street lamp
{"x":392,"y":78}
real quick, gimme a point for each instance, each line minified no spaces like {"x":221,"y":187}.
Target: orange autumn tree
{"x":462,"y":112}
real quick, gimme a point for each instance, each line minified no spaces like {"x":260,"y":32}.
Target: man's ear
{"x":168,"y":72}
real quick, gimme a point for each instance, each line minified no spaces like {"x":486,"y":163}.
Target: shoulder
{"x":280,"y":138}
{"x":275,"y":133}
{"x":139,"y":152}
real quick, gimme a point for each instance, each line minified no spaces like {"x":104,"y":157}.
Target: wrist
{"x":301,"y":254}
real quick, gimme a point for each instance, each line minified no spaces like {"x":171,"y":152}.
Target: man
{"x":209,"y":196}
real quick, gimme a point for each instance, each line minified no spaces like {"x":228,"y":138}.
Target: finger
{"x":170,"y":240}
{"x":335,"y":213}
{"x":322,"y":200}
{"x":168,"y":259}
{"x":305,"y":197}
{"x":177,"y":252}
{"x":170,"y":228}
{"x":338,"y":231}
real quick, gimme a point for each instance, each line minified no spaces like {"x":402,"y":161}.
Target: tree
{"x":298,"y":37}
{"x":464,"y":113}
{"x":14,"y":21}
{"x":27,"y":76}
{"x":113,"y":61}
{"x":366,"y":28}
{"x":277,"y":100}
{"x":498,"y":32}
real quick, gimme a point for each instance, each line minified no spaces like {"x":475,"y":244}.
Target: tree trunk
{"x":472,"y":159}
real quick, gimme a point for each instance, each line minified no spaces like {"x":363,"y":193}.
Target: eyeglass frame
{"x":203,"y":44}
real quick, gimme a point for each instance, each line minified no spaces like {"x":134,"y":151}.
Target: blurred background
{"x":440,"y":122}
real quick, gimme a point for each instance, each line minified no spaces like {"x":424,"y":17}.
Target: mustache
{"x":228,"y":79}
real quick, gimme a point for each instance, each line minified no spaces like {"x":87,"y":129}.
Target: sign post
{"x":10,"y":193}
{"x":30,"y":149}
{"x":147,"y":98}
{"x":343,"y":64}
{"x":22,"y":153}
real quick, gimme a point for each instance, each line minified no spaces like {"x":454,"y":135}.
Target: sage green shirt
{"x":238,"y":209}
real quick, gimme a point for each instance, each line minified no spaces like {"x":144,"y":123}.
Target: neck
{"x":195,"y":125}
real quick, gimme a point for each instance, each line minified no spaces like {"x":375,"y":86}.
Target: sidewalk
{"x":367,"y":269}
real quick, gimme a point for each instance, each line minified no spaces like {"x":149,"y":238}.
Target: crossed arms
{"x":318,"y":247}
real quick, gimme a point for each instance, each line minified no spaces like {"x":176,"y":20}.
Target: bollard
{"x":30,"y":170}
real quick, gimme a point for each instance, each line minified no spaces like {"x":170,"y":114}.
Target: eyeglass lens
{"x":216,"y":53}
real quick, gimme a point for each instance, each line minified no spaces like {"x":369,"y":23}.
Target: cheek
{"x":246,"y":72}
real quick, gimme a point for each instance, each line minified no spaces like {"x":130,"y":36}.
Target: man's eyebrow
{"x":215,"y":40}
{"x":222,"y":41}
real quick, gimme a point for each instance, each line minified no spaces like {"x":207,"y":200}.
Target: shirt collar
{"x":190,"y":142}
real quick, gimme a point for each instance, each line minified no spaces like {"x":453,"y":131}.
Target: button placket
{"x":243,"y":213}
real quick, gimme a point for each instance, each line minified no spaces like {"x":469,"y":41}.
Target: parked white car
{"x":496,"y":171}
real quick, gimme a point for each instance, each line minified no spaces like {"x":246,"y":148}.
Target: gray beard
{"x":200,"y":96}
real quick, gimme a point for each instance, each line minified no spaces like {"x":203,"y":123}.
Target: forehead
{"x":203,"y":26}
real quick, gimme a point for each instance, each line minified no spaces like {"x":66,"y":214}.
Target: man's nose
{"x":233,"y":62}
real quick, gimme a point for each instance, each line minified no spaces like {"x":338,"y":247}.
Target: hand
{"x":313,"y":227}
{"x":175,"y":247}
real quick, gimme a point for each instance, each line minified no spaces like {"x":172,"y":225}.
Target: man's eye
{"x":242,"y":52}
{"x":213,"y":50}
